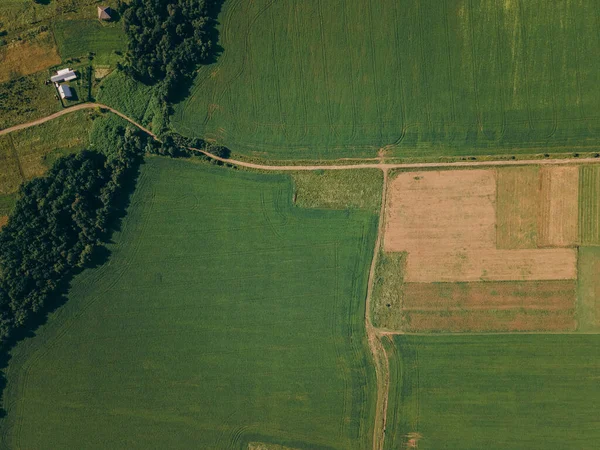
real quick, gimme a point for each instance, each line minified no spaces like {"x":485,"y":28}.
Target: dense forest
{"x":168,"y":39}
{"x":58,"y":222}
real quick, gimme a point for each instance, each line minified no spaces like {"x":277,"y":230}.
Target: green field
{"x":589,"y":205}
{"x":588,"y":291}
{"x":429,"y":78}
{"x":77,"y":38}
{"x":25,"y":99}
{"x":128,"y":96}
{"x":10,"y":171}
{"x":494,"y":392}
{"x":339,"y":189}
{"x":224,"y":316}
{"x":7,"y":203}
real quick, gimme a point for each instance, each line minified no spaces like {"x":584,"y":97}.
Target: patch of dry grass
{"x":559,"y":207}
{"x":341,"y":189}
{"x":517,"y":207}
{"x":26,"y":57}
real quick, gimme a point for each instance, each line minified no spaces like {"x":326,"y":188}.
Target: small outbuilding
{"x":63,"y":75}
{"x":104,"y":13}
{"x":65,"y":91}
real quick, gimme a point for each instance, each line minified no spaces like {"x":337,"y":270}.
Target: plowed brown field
{"x":430,"y":265}
{"x":442,"y":210}
{"x":446,"y":222}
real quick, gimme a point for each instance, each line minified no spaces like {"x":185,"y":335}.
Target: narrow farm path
{"x":288,"y":168}
{"x":70,"y":110}
{"x":380,"y":359}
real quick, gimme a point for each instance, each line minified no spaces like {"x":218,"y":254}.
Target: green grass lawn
{"x":10,"y":172}
{"x":7,"y":203}
{"x":126,"y":95}
{"x":428,"y":78}
{"x":38,"y":147}
{"x":224,"y":316}
{"x":589,"y":205}
{"x":77,"y":38}
{"x":494,"y":392}
{"x":588,"y":291}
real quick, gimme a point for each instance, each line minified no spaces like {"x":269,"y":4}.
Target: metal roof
{"x":65,"y":91}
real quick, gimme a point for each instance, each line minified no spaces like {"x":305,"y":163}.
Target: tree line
{"x":168,"y":39}
{"x":58,"y":223}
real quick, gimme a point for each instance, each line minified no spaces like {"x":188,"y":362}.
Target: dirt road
{"x":380,"y":359}
{"x":70,"y":110}
{"x":366,"y":165}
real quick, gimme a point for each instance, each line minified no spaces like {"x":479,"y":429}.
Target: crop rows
{"x":329,"y":79}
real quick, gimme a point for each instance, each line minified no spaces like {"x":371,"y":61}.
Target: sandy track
{"x":70,"y":110}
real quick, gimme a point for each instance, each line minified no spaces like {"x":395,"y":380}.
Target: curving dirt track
{"x":366,"y":165}
{"x":70,"y":110}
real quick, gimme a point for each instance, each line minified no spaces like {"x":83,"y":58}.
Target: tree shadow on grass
{"x":184,"y":88}
{"x":100,"y":256}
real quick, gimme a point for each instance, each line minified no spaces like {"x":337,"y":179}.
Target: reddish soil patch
{"x":486,"y":321}
{"x":429,"y":265}
{"x":489,"y":306}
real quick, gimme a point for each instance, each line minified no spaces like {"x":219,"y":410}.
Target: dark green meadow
{"x":494,"y":392}
{"x":223,"y":316}
{"x":422,"y":78}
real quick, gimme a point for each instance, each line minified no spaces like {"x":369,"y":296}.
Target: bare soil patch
{"x":517,"y":207}
{"x":3,"y":221}
{"x":489,"y":306}
{"x":445,"y":210}
{"x":265,"y":446}
{"x":101,"y":72}
{"x":493,"y":295}
{"x":559,"y":210}
{"x":430,"y":265}
{"x":446,"y":222}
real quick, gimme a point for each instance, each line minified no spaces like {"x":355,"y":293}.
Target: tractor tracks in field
{"x":375,"y":336}
{"x":368,"y":164}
